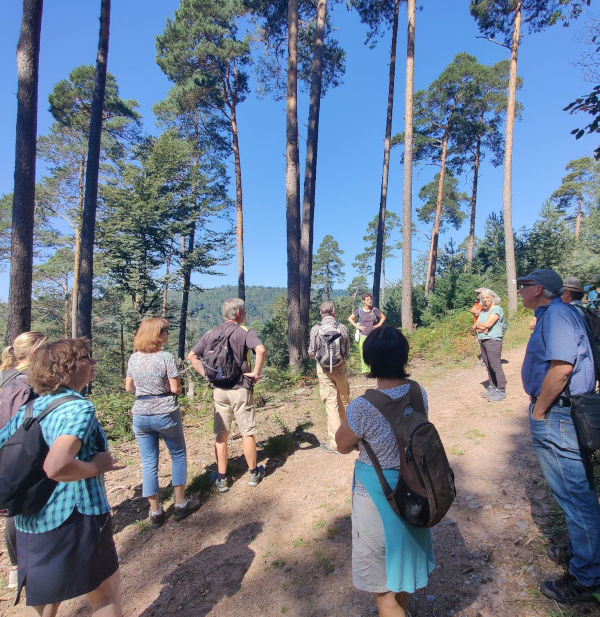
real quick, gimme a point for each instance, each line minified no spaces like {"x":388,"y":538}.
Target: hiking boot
{"x":490,"y":390}
{"x":13,"y":578}
{"x":257,"y":476}
{"x":496,"y":396}
{"x":190,"y":507}
{"x":156,"y":520}
{"x":222,"y":485}
{"x":568,"y":590}
{"x":327,"y":448}
{"x":559,"y":555}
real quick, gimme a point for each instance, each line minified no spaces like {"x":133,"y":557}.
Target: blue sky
{"x":352,"y":119}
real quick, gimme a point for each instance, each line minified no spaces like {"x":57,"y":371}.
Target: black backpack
{"x":24,"y":486}
{"x":328,"y":350}
{"x":218,"y":360}
{"x":425,"y":489}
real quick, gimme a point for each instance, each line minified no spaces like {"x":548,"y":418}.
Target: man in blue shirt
{"x":559,"y":355}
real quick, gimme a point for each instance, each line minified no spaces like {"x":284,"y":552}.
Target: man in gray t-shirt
{"x":235,"y":401}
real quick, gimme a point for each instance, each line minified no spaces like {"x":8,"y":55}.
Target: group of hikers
{"x":66,"y":549}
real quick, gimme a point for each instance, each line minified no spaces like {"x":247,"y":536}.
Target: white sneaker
{"x":13,"y":578}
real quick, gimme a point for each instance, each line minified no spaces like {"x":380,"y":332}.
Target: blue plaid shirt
{"x":78,"y":419}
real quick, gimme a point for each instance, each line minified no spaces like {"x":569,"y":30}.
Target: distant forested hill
{"x":205,"y":306}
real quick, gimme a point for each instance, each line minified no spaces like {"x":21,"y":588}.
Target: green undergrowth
{"x":450,"y":341}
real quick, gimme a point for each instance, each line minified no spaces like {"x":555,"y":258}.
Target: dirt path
{"x":284,"y":546}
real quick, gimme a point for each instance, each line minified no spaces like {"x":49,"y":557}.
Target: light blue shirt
{"x":496,"y":332}
{"x":559,"y":334}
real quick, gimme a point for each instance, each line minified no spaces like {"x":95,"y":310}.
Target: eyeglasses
{"x":521,"y":285}
{"x":164,"y":330}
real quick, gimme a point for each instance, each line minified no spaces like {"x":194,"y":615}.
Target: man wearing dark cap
{"x":573,"y":292}
{"x":559,"y":354}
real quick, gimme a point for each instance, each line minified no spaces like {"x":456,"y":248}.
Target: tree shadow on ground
{"x":198,"y":584}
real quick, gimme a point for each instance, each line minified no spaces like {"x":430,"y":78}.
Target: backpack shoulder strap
{"x":56,"y":403}
{"x":380,"y":401}
{"x":10,"y":378}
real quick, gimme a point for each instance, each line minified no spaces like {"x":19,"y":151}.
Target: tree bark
{"x":435,"y":234}
{"x":186,"y":267}
{"x":238,"y":205}
{"x":165,"y":298}
{"x":292,"y":190}
{"x":471,"y":246}
{"x":509,"y":240}
{"x":578,"y":219}
{"x":186,"y":279}
{"x":122,"y":350}
{"x":18,"y":317}
{"x":386,"y":160}
{"x":310,"y":173}
{"x":88,"y":223}
{"x":407,"y":314}
{"x":77,"y":245}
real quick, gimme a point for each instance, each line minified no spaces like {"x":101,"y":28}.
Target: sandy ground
{"x":283,"y":548}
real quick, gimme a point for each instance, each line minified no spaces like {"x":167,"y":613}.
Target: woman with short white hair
{"x":490,"y":327}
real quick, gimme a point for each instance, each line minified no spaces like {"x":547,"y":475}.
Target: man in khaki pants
{"x":329,"y":345}
{"x":232,"y":400}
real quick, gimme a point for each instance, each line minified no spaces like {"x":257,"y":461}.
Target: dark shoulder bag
{"x":24,"y":486}
{"x":585,"y":408}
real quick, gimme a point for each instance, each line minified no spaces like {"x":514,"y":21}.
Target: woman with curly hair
{"x":66,"y":549}
{"x":154,"y":379}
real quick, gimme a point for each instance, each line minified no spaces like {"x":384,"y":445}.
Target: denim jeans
{"x":568,"y":476}
{"x":147,"y":430}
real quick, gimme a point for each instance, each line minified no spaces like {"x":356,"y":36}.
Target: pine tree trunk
{"x":407,"y":314}
{"x":386,"y":160}
{"x":435,"y":234}
{"x":292,"y":190}
{"x":122,"y":350}
{"x":186,"y":267}
{"x":471,"y":247}
{"x":88,"y":223}
{"x":238,"y":205}
{"x":509,"y":240}
{"x":186,"y":279}
{"x":18,"y":318}
{"x":77,"y":245}
{"x":66,"y":308}
{"x":310,"y":173}
{"x":165,"y":298}
{"x":578,"y":219}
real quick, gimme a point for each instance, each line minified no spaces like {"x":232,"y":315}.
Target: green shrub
{"x":113,"y":411}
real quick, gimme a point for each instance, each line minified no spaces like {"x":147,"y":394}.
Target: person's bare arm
{"x":175,"y":385}
{"x":345,"y":439}
{"x":196,"y":362}
{"x":554,"y":383}
{"x":129,"y":385}
{"x":484,"y":326}
{"x":62,"y":466}
{"x":381,"y":321}
{"x":352,"y":320}
{"x":261,"y":354}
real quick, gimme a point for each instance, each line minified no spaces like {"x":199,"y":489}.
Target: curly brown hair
{"x":147,"y":338}
{"x":53,"y":363}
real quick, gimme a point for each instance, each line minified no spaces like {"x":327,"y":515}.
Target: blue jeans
{"x":147,"y":430}
{"x":568,"y":475}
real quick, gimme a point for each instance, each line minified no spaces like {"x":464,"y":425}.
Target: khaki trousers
{"x":335,"y":394}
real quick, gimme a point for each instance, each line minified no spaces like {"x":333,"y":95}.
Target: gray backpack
{"x":328,"y":351}
{"x":425,"y":489}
